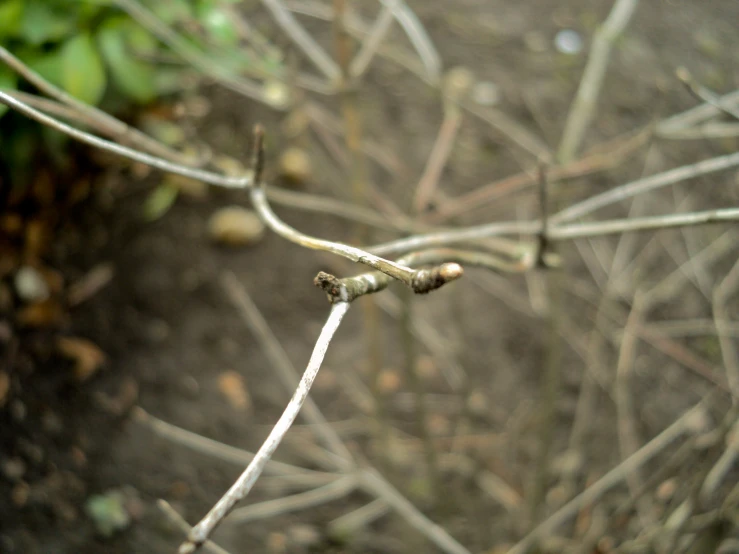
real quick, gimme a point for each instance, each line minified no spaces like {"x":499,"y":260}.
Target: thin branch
{"x":646,"y":184}
{"x":246,"y":480}
{"x":415,"y":279}
{"x":556,"y":233}
{"x":697,"y":115}
{"x":131,"y":154}
{"x":283,"y":366}
{"x":584,"y":105}
{"x":418,"y":37}
{"x":376,"y":485}
{"x":211,"y":447}
{"x":372,"y":42}
{"x":702,"y":93}
{"x":721,"y":296}
{"x":302,"y":39}
{"x":437,"y":158}
{"x":446,"y":270}
{"x":605,"y":157}
{"x":206,"y":65}
{"x":270,"y":508}
{"x":685,"y":423}
{"x":183,"y":526}
{"x":104,"y":121}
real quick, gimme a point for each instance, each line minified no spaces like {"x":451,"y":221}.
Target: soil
{"x":169,"y":332}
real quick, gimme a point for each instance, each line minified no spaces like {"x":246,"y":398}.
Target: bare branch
{"x":96,"y":117}
{"x":180,"y":522}
{"x":685,"y":423}
{"x":583,"y":107}
{"x":418,"y":37}
{"x":341,"y":487}
{"x":302,"y":39}
{"x":702,"y":93}
{"x":131,"y":154}
{"x":246,"y":480}
{"x":372,"y":42}
{"x":283,"y":366}
{"x":646,"y":184}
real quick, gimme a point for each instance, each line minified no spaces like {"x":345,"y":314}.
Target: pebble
{"x":296,"y":165}
{"x":485,"y":93}
{"x":235,"y":226}
{"x":568,"y":41}
{"x":30,"y":285}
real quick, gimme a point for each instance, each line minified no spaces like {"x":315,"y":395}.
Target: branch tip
{"x":426,"y":280}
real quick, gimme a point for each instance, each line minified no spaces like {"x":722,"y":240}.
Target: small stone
{"x":235,"y":226}
{"x":296,"y":165}
{"x":388,"y":381}
{"x":304,"y":535}
{"x":233,"y":388}
{"x":485,"y":93}
{"x":478,"y":403}
{"x":20,"y":493}
{"x":276,"y":94}
{"x":30,"y":285}
{"x":13,"y":468}
{"x":568,"y":42}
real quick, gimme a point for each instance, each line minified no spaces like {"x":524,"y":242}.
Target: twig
{"x":206,"y":65}
{"x":723,"y":465}
{"x":683,"y":424}
{"x":181,"y":524}
{"x":346,"y":525}
{"x":556,"y":232}
{"x":696,"y":115}
{"x":374,"y":484}
{"x":625,"y":411}
{"x":418,"y":37}
{"x":437,"y":158}
{"x":350,"y":288}
{"x":158,"y":163}
{"x":104,"y":121}
{"x":341,"y":487}
{"x":646,"y":184}
{"x":246,"y":480}
{"x":283,"y":366}
{"x":414,"y":279}
{"x":303,"y":40}
{"x":702,"y":93}
{"x":372,"y":42}
{"x":583,"y":107}
{"x":211,"y":447}
{"x":721,"y":296}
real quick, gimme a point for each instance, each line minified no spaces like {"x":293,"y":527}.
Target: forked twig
{"x":246,"y":480}
{"x":180,"y":522}
{"x":339,"y":488}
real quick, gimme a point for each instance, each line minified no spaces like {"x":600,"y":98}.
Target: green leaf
{"x":218,"y":24}
{"x":160,"y":201}
{"x":83,"y":75}
{"x":172,"y":11}
{"x":11,"y":12}
{"x":134,"y":78}
{"x":8,"y":80}
{"x":42,"y":23}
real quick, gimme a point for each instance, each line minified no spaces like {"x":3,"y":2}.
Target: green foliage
{"x":93,"y":49}
{"x":97,"y":53}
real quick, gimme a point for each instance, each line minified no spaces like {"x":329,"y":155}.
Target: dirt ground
{"x":172,"y":338}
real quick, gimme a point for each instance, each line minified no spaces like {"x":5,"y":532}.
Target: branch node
{"x":332,"y":286}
